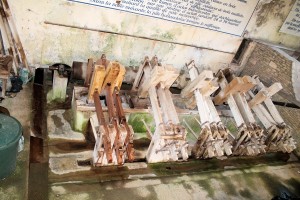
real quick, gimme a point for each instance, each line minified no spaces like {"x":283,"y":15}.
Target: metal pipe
{"x":134,"y":36}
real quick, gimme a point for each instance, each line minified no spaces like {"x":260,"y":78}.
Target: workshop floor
{"x":261,"y":177}
{"x":15,"y":186}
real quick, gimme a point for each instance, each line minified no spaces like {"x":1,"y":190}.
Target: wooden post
{"x":140,"y":74}
{"x":89,"y":72}
{"x":97,"y":81}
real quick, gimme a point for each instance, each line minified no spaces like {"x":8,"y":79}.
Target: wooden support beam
{"x":274,"y":112}
{"x":139,"y":74}
{"x":97,"y":81}
{"x":244,"y":108}
{"x":151,"y":78}
{"x":265,"y":93}
{"x":268,"y":102}
{"x":114,"y":75}
{"x":170,"y":74}
{"x":197,"y":82}
{"x":89,"y":72}
{"x":164,"y":105}
{"x":267,"y":124}
{"x":235,"y":111}
{"x":230,"y":100}
{"x":214,"y":116}
{"x":171,"y":107}
{"x":238,"y":84}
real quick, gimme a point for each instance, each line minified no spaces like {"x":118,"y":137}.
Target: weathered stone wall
{"x":271,"y":66}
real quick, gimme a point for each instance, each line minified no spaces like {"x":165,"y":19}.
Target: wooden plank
{"x":274,"y":112}
{"x":214,"y":116}
{"x":171,"y":108}
{"x":155,"y":107}
{"x":8,"y":19}
{"x":89,"y":72}
{"x":210,"y":88}
{"x":238,"y":84}
{"x":163,"y":103}
{"x":231,"y":102}
{"x":197,"y":82}
{"x":268,"y":102}
{"x":235,"y":111}
{"x":112,"y":72}
{"x":201,"y":104}
{"x":139,"y":74}
{"x":97,"y":81}
{"x":152,"y":77}
{"x":170,"y":74}
{"x":267,"y":124}
{"x":244,"y":108}
{"x":265,"y":93}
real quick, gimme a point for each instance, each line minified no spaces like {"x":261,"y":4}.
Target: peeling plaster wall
{"x":46,"y":44}
{"x":268,"y":19}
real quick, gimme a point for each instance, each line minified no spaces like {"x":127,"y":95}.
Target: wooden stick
{"x":14,"y":32}
{"x":191,"y":130}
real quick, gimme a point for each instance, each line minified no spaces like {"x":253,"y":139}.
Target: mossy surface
{"x":80,"y":121}
{"x":136,"y":121}
{"x":192,"y":123}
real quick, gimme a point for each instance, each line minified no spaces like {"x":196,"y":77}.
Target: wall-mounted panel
{"x":224,"y":16}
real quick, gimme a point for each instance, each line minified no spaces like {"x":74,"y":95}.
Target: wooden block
{"x":210,"y":88}
{"x":139,"y":74}
{"x":238,"y":84}
{"x":199,"y":82}
{"x":112,"y":72}
{"x":265,"y":93}
{"x":170,"y":74}
{"x":120,"y":77}
{"x":97,"y":81}
{"x":157,"y":75}
{"x":248,"y":84}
